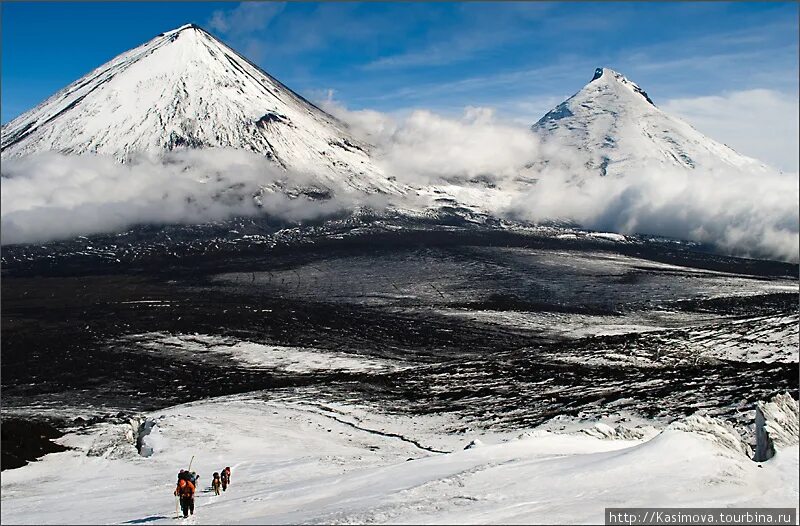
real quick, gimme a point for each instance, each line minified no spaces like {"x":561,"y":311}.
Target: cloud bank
{"x":54,"y":196}
{"x":739,"y":212}
{"x":424,"y":147}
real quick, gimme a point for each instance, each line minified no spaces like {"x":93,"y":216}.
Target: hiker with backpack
{"x":224,"y":480}
{"x":216,"y":483}
{"x":228,"y":473}
{"x":185,"y":491}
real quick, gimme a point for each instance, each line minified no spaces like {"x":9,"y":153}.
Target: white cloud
{"x":760,"y":123}
{"x":243,"y":24}
{"x":247,"y":17}
{"x":54,"y":196}
{"x":739,"y":212}
{"x":526,"y":111}
{"x":421,"y":146}
{"x":427,"y":146}
{"x":461,"y":46}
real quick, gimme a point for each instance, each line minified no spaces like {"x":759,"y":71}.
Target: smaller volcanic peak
{"x":611,"y":126}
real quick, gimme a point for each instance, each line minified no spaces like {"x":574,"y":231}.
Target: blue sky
{"x":711,"y":63}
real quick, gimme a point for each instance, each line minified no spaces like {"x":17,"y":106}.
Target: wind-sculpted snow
{"x":332,"y":365}
{"x":780,"y":420}
{"x":362,"y":331}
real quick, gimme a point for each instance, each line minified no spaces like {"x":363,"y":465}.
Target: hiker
{"x":223,"y":478}
{"x":216,"y":483}
{"x":228,"y":473}
{"x":185,"y":491}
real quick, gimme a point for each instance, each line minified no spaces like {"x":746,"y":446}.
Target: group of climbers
{"x":187,"y":485}
{"x":221,"y":481}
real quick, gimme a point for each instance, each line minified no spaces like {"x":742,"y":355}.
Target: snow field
{"x":297,"y":463}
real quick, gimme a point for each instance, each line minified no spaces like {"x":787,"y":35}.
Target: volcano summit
{"x":614,"y":127}
{"x":185,"y":88}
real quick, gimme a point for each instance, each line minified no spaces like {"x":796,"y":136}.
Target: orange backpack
{"x":185,"y":488}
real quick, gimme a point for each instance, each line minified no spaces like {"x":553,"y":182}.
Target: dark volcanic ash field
{"x":498,"y":328}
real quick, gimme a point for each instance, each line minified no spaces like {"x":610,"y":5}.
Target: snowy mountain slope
{"x":185,"y":88}
{"x":303,"y":463}
{"x":614,"y":127}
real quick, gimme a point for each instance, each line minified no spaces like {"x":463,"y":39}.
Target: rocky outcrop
{"x":776,"y":426}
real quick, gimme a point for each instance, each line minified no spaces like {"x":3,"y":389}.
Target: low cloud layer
{"x":423,"y":148}
{"x":54,"y":196}
{"x":741,"y":213}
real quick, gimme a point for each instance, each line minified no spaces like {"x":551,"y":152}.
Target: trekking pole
{"x":176,"y":507}
{"x":190,"y":464}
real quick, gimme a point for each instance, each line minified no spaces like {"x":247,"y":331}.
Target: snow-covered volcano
{"x":185,"y":88}
{"x":614,"y":127}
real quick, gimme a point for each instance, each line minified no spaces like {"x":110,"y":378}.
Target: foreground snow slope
{"x":296,"y":463}
{"x":185,"y":88}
